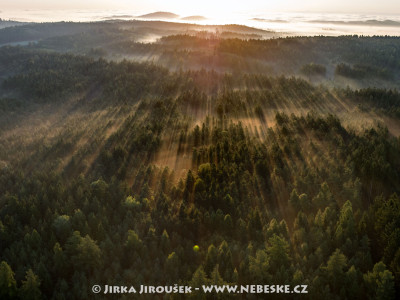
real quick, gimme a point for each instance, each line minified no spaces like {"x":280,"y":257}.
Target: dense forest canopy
{"x":278,"y":158}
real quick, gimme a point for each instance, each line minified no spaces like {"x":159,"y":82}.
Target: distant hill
{"x":389,"y":23}
{"x":268,"y":20}
{"x":194,"y":18}
{"x":118,"y":17}
{"x":159,"y":15}
{"x":9,"y":23}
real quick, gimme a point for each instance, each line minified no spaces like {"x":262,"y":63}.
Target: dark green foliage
{"x":306,"y":201}
{"x":361,"y":71}
{"x":313,"y":69}
{"x":30,"y":287}
{"x":386,"y":100}
{"x":8,"y":285}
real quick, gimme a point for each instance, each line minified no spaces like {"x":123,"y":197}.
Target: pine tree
{"x":30,"y":287}
{"x":380,"y":283}
{"x":278,"y":252}
{"x":8,"y":285}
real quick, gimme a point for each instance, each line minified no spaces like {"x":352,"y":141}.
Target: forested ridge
{"x":354,"y":60}
{"x":110,"y":173}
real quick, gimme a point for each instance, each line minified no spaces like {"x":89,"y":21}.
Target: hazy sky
{"x":213,"y":6}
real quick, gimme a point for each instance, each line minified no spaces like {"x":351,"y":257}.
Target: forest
{"x":278,"y":157}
